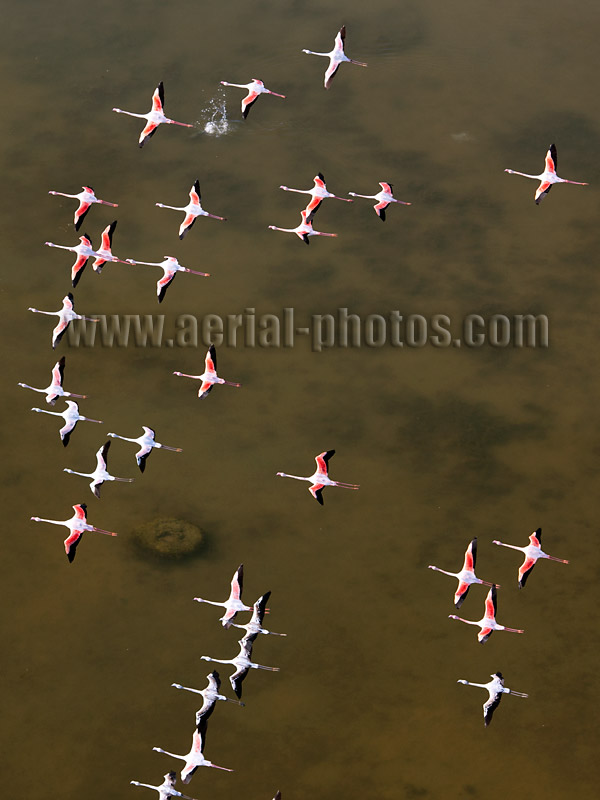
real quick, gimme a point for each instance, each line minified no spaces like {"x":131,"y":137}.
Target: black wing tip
{"x":319,"y":496}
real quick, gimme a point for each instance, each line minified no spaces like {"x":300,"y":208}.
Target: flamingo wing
{"x":141,"y":456}
{"x":260,"y":607}
{"x":248,"y":102}
{"x":490,"y":706}
{"x":205,"y":389}
{"x":71,"y":543}
{"x":317,"y":492}
{"x":210,"y":360}
{"x":484,"y":634}
{"x":148,"y":131}
{"x":58,"y":372}
{"x":470,"y":556}
{"x":331,"y":70}
{"x":195,"y":196}
{"x":461,"y":593}
{"x":551,"y":161}
{"x":84,"y":207}
{"x":187,"y":223}
{"x":525,"y":570}
{"x":58,"y":331}
{"x":380,"y":209}
{"x":158,"y":98}
{"x":542,"y":191}
{"x":237,"y":679}
{"x":536,"y":538}
{"x":66,"y":431}
{"x":163,"y":283}
{"x":323,"y":460}
{"x":313,"y":206}
{"x":491,"y":603}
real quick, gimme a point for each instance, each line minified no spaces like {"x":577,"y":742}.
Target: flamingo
{"x":77,"y":525}
{"x":242,"y":664}
{"x":317,"y":194}
{"x":65,"y":315}
{"x":255,"y":88}
{"x":100,"y":474}
{"x":233,"y":604}
{"x":71,"y":417}
{"x":467,"y":574}
{"x":104,"y":254}
{"x":55,"y":389}
{"x":86,"y":199}
{"x":304,"y":230}
{"x":170,"y":267}
{"x":488,"y":622}
{"x":167,"y":789}
{"x":210,"y":695}
{"x":146,"y":442}
{"x":319,"y":479}
{"x":154,"y":117}
{"x":254,"y":627}
{"x":548,"y":176}
{"x":195,"y":758}
{"x":533,"y":551}
{"x":83,"y":251}
{"x":336,"y":56}
{"x":209,"y":377}
{"x":384,"y":198}
{"x":192,"y":210}
{"x":496,"y":689}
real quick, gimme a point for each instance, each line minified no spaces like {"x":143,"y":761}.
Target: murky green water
{"x":446,"y":443}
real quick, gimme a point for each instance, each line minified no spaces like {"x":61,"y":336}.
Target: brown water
{"x":446,"y":443}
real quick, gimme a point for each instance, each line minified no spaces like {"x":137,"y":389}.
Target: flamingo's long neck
{"x":295,"y":477}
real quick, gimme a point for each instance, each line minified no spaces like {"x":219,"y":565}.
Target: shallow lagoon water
{"x":446,"y":443}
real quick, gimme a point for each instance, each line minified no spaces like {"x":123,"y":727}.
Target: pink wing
{"x":386,"y":187}
{"x":470,"y":556}
{"x":542,"y":190}
{"x":157,"y":103}
{"x":149,"y":129}
{"x":484,"y":634}
{"x":381,"y":206}
{"x":84,"y":206}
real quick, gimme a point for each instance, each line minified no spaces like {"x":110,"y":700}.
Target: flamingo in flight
{"x":532,"y":552}
{"x":71,"y":417}
{"x":467,"y":574}
{"x":255,"y":89}
{"x":65,"y":316}
{"x":210,"y":695}
{"x":384,"y":198}
{"x":100,"y":474}
{"x":192,"y":210}
{"x":304,"y":230}
{"x":233,"y":604}
{"x":83,"y":251}
{"x":146,"y":442}
{"x":336,"y":57}
{"x":86,"y":199}
{"x":317,"y":194}
{"x":488,"y":622}
{"x":195,"y":758}
{"x":55,"y":389}
{"x":320,"y":479}
{"x":254,"y":627}
{"x":154,"y":117}
{"x":77,"y":525}
{"x":496,"y":689}
{"x":242,"y":663}
{"x":209,"y":377}
{"x":170,"y":267}
{"x":167,"y":789}
{"x":547,"y":177}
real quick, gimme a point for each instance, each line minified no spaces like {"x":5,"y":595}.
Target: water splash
{"x":214,"y":116}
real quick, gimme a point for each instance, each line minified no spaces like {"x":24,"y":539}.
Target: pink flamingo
{"x":488,"y":622}
{"x":100,"y":474}
{"x":532,"y":552}
{"x":384,"y":198}
{"x":166,"y":790}
{"x":320,"y":478}
{"x":336,"y":56}
{"x":71,"y":417}
{"x":210,"y":695}
{"x":154,"y":117}
{"x":195,"y":758}
{"x":547,"y":177}
{"x":55,"y":389}
{"x":77,"y":525}
{"x":242,"y":664}
{"x":192,"y":210}
{"x":86,"y":199}
{"x":65,"y":316}
{"x":209,"y":377}
{"x":82,"y":251}
{"x":170,"y":267}
{"x":317,"y":194}
{"x":255,"y":89}
{"x":496,"y":689}
{"x":304,"y":230}
{"x":254,"y":627}
{"x":233,"y":604}
{"x":104,"y":253}
{"x":467,"y":574}
{"x":146,"y":442}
